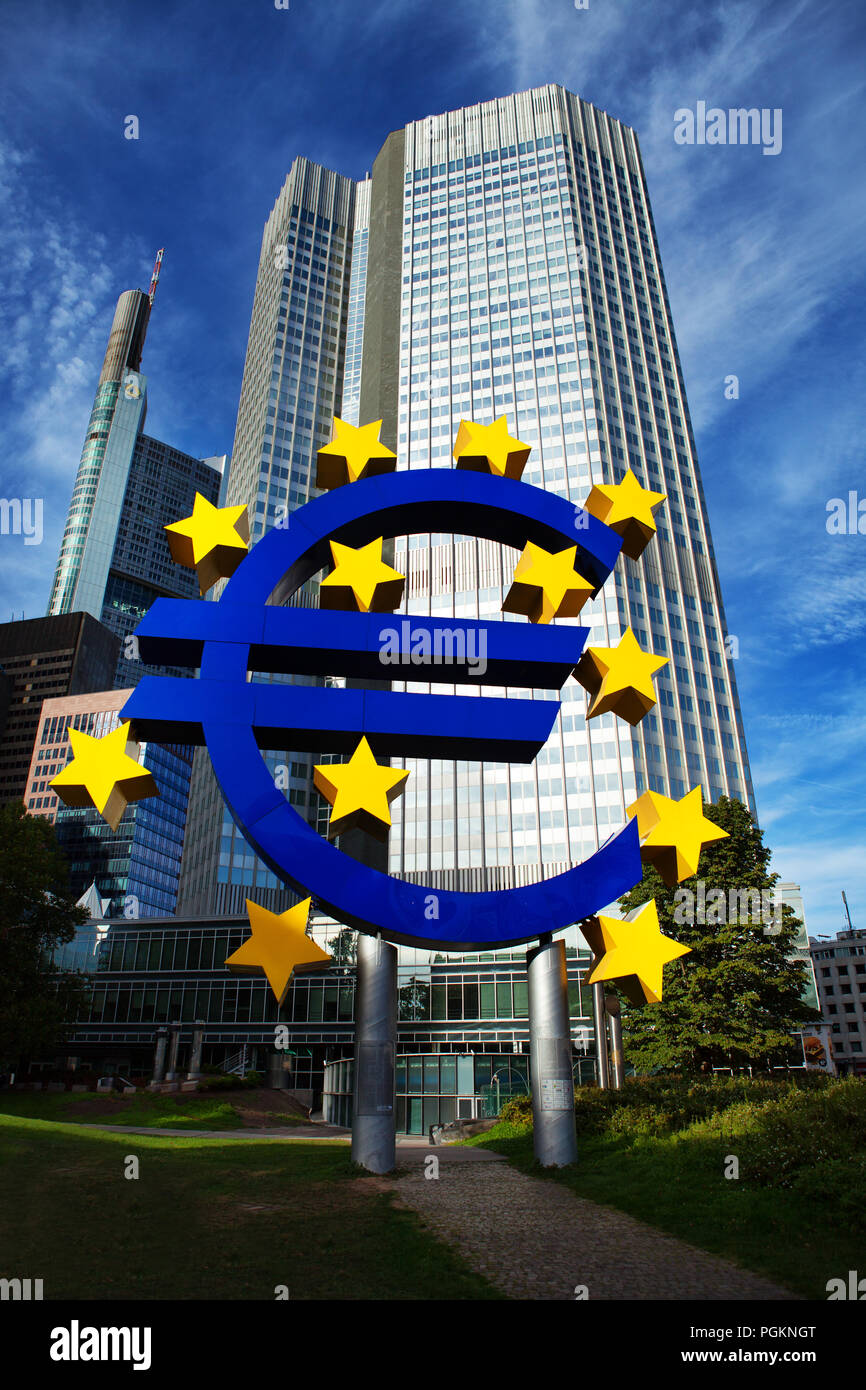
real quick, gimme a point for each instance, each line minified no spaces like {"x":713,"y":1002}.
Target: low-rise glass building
{"x":463,"y":1031}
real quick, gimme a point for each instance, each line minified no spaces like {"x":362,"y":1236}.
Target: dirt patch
{"x":263,"y":1119}
{"x":269,"y":1109}
{"x":372,"y":1183}
{"x":265,"y":1101}
{"x":257,"y":1207}
{"x":330,"y":1198}
{"x":99,"y":1105}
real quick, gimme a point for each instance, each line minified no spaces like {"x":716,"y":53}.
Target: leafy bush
{"x":227,"y":1081}
{"x":223,"y":1082}
{"x":804,"y":1133}
{"x":813,"y":1144}
{"x":517,"y":1111}
{"x":667,"y":1104}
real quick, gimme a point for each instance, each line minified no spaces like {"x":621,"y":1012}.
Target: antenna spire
{"x":154,"y":279}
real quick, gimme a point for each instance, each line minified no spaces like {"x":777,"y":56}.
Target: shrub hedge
{"x":805,"y":1133}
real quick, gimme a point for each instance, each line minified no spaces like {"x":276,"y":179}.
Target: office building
{"x":114,"y":558}
{"x":840,"y":970}
{"x":292,"y":388}
{"x":114,"y":562}
{"x":160,"y":489}
{"x":790,"y":894}
{"x":463,"y":1032}
{"x":523,"y":278}
{"x":41,"y":659}
{"x":506,"y":262}
{"x":134,"y":868}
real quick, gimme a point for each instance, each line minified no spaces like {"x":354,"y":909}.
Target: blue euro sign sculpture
{"x":249,"y":629}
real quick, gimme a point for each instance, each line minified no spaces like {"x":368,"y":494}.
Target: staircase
{"x":236,"y":1065}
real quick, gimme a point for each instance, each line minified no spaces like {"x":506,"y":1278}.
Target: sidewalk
{"x":409,"y":1149}
{"x":534,"y":1239}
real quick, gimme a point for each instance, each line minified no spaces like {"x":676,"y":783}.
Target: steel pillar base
{"x":554,"y":1135}
{"x":601,"y":1053}
{"x":614,"y":1014}
{"x":159,"y":1057}
{"x":374,"y":1138}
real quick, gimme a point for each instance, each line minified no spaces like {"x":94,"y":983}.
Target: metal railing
{"x":236,"y":1065}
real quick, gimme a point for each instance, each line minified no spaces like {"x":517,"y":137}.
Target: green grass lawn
{"x":676,"y":1183}
{"x":208,"y":1219}
{"x":147,"y":1109}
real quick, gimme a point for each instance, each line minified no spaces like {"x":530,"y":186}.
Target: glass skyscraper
{"x":114,"y":557}
{"x":292,"y":388}
{"x":527,"y":279}
{"x":94,"y":514}
{"x":114,"y":562}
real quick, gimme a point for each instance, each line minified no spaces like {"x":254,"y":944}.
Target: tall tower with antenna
{"x":117,"y":417}
{"x":114,"y":562}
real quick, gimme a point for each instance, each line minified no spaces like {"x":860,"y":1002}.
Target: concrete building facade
{"x":840,"y":970}
{"x":42,"y":659}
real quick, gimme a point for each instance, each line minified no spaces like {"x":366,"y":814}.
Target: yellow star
{"x":354,"y":452}
{"x":360,"y":579}
{"x":633,"y":951}
{"x":546,"y":585}
{"x":626,"y":508}
{"x":673,"y":833}
{"x":212,"y":541}
{"x":619,"y":678}
{"x":279,"y":945}
{"x":105,"y":773}
{"x":360,"y":792}
{"x":490,"y":449}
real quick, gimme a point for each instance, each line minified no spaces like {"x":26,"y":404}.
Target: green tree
{"x":735,"y":999}
{"x":344,"y":946}
{"x":37,"y":914}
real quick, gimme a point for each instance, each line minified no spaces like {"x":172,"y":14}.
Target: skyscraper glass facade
{"x":292,"y":388}
{"x":160,"y":488}
{"x":351,"y":402}
{"x":114,"y":562}
{"x":530,"y":285}
{"x":118,"y":414}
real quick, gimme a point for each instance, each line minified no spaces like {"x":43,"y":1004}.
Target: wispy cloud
{"x":59,"y":295}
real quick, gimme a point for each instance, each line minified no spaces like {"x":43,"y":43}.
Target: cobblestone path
{"x":535,"y":1239}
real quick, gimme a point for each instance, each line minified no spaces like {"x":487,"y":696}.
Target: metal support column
{"x":555,"y":1139}
{"x":159,"y":1056}
{"x":374,"y":1121}
{"x":173,"y":1049}
{"x":194,"y":1073}
{"x":600,"y":1037}
{"x":614,"y":1013}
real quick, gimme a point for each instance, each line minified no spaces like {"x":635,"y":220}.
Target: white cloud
{"x":60,"y":299}
{"x":751,"y":260}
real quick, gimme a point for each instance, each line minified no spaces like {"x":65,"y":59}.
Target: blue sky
{"x":762,"y":254}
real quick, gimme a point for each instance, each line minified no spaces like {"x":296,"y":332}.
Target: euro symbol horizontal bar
{"x":313,"y":719}
{"x":373,"y":646}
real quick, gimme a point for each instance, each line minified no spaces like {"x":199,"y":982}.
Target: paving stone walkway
{"x":535,"y":1239}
